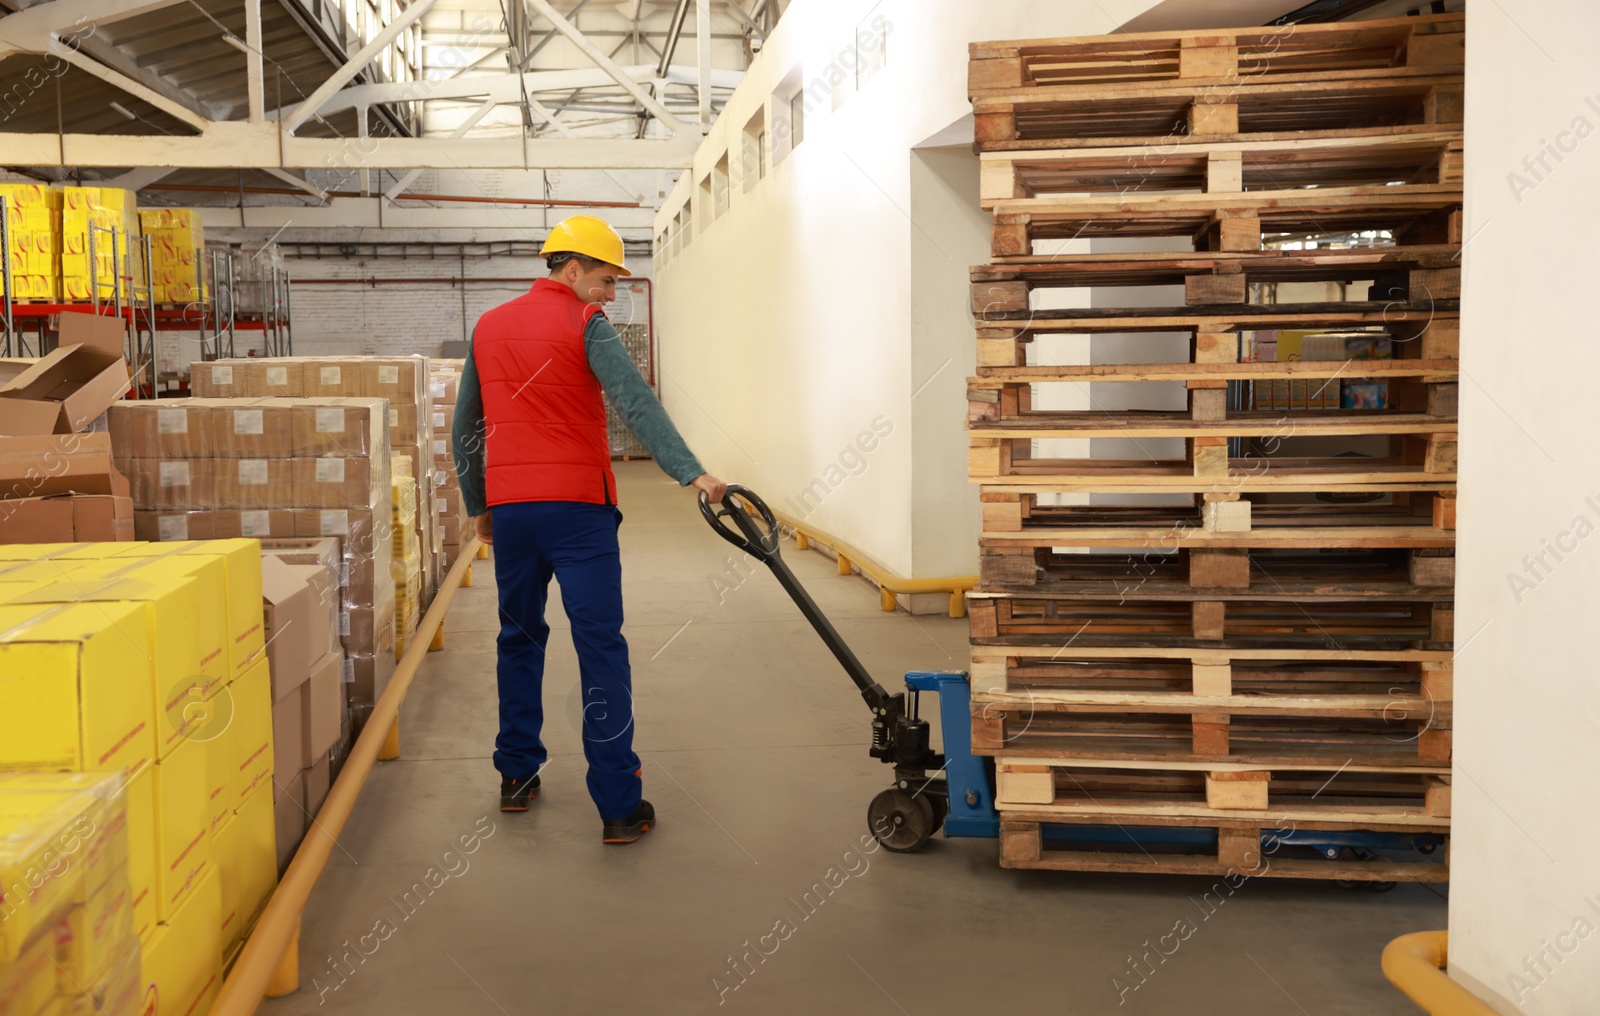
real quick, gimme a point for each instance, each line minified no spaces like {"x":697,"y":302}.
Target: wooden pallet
{"x":1431,"y":272}
{"x":1257,"y":54}
{"x":1244,"y":849}
{"x":1403,"y":729}
{"x":1283,"y":164}
{"x":1201,"y":566}
{"x":1413,"y":213}
{"x":1352,"y":794}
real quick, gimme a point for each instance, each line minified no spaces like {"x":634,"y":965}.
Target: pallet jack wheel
{"x":1358,"y":854}
{"x":900,"y":821}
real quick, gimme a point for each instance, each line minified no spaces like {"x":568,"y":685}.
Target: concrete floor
{"x":755,"y":753}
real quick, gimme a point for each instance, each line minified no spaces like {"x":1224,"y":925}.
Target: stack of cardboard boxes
{"x":177,"y":242}
{"x":300,"y":592}
{"x":454,"y":526}
{"x":99,"y":226}
{"x":69,"y":945}
{"x":314,"y":470}
{"x":406,"y":568}
{"x":58,"y":483}
{"x":33,"y":226}
{"x":145,"y":662}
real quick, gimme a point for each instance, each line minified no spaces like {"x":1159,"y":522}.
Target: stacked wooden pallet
{"x":1254,"y":633}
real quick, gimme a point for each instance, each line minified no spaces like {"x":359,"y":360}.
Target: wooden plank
{"x":1430,"y":571}
{"x":1236,"y":790}
{"x":1227,"y":318}
{"x":1433,"y":568}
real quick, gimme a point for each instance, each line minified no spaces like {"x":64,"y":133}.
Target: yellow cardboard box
{"x":185,"y":619}
{"x":41,"y":878}
{"x":75,"y":687}
{"x":140,"y":794}
{"x":95,"y":934}
{"x":182,"y":962}
{"x":241,"y":560}
{"x":219,"y":775}
{"x":27,"y":984}
{"x":183,"y":840}
{"x":252,"y":728}
{"x":246,"y":855}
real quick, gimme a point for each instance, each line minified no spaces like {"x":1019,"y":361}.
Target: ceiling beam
{"x":295,"y":181}
{"x":702,"y":26}
{"x":679,"y":14}
{"x":72,"y":55}
{"x":466,"y":125}
{"x":356,"y":64}
{"x":114,"y":59}
{"x":256,"y":102}
{"x":606,"y":64}
{"x":238,"y":143}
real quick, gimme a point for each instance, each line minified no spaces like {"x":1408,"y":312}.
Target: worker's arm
{"x":637,"y":404}
{"x":467,"y":439}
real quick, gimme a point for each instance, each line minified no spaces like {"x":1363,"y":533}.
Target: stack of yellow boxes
{"x":95,"y":210}
{"x":67,"y":938}
{"x":145,"y":661}
{"x":176,"y":241}
{"x":405,"y":567}
{"x":33,"y":224}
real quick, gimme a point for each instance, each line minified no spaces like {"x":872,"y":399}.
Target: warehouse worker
{"x":534,"y":461}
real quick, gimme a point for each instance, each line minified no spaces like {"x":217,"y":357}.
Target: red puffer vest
{"x":544,"y":417}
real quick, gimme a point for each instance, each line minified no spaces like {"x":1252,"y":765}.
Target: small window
{"x":753,"y":158}
{"x":797,"y":118}
{"x":872,"y":40}
{"x":719,"y":187}
{"x":703,"y":201}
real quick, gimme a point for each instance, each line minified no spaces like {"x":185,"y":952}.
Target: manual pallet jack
{"x":955,"y":789}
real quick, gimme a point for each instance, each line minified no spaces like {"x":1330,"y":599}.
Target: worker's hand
{"x":713,"y":488}
{"x":483,"y":525}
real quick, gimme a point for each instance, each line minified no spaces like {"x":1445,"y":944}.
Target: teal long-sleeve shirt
{"x":638,"y":406}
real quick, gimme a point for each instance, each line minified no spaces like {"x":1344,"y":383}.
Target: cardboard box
{"x":252,"y":728}
{"x":346,"y":427}
{"x":159,"y":429}
{"x":65,"y":517}
{"x":167,"y":526}
{"x":332,"y":482}
{"x":246,"y":866}
{"x":289,"y":815}
{"x":259,"y":428}
{"x":92,"y":940}
{"x":325,"y":597}
{"x":173,"y":484}
{"x":254,"y":523}
{"x":139,"y":791}
{"x":245,"y":483}
{"x":64,"y":392}
{"x":323,"y":704}
{"x":241,"y":567}
{"x":403,"y":424}
{"x":318,"y":781}
{"x":44,"y":465}
{"x":76,"y":687}
{"x":294,"y":639}
{"x":182,"y":961}
{"x":183,"y":829}
{"x":184,"y":615}
{"x":247,"y":378}
{"x":289,"y":741}
{"x":219,"y":752}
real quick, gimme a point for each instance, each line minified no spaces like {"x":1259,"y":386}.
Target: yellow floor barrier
{"x":270,"y":961}
{"x":1416,"y":964}
{"x":889,"y":584}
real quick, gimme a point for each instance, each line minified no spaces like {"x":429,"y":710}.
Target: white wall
{"x":819,"y":301}
{"x":1525,"y":861}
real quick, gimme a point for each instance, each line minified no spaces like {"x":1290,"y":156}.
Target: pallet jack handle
{"x":761,"y":540}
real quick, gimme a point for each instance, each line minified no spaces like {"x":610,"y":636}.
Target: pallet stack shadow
{"x":1218,"y":624}
{"x":303,"y":474}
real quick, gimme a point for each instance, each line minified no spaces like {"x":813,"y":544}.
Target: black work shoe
{"x":515,"y":794}
{"x":626,"y":830}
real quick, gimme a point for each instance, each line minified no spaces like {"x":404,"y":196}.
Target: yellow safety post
{"x":1416,"y":964}
{"x":844,"y":565}
{"x":286,"y":978}
{"x":391,"y":744}
{"x":270,"y":957}
{"x":438,"y":640}
{"x":886,"y":598}
{"x":466,"y":579}
{"x":802,"y":541}
{"x":483,"y":552}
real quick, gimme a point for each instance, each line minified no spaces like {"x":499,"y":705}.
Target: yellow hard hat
{"x":587,"y":235}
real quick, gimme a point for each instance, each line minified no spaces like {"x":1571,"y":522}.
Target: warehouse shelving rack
{"x":216,"y":317}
